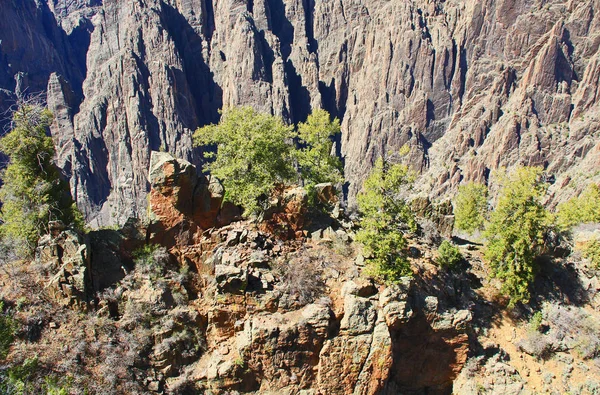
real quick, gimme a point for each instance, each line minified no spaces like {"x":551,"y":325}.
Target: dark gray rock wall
{"x":468,"y":86}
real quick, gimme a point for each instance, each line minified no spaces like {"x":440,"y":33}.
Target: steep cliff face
{"x":468,"y":86}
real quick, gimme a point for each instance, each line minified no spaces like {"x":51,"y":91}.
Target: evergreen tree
{"x":516,"y":230}
{"x":32,"y":193}
{"x":582,"y":209}
{"x":254,"y":154}
{"x":470,"y":207}
{"x":316,"y":163}
{"x":386,"y":216}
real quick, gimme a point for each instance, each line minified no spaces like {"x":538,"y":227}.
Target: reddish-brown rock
{"x":182,"y":203}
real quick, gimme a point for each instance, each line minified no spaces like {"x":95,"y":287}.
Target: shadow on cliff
{"x":282,"y":27}
{"x":427,"y":359}
{"x":207,"y":94}
{"x":558,"y":280}
{"x":49,"y":50}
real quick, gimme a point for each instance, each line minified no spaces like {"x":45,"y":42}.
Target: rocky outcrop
{"x":261,"y":316}
{"x":182,"y":203}
{"x":65,"y":256}
{"x":81,"y":265}
{"x":287,"y":212}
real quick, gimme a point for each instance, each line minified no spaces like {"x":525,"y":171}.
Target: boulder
{"x":394,"y":303}
{"x":229,"y":213}
{"x":326,"y":193}
{"x":183,"y":203}
{"x":231,"y":279}
{"x":440,"y":213}
{"x":287,"y":215}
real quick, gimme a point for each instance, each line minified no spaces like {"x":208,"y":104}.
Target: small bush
{"x":535,"y":323}
{"x":449,"y":255}
{"x":152,"y":260}
{"x":591,"y":251}
{"x":7,"y":332}
{"x":301,"y":278}
{"x":573,"y":328}
{"x":470,"y":206}
{"x":29,"y":378}
{"x":582,"y":209}
{"x":536,"y":344}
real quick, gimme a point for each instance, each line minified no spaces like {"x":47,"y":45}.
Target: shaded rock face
{"x":112,"y":252}
{"x":65,"y":255}
{"x":469,"y":87}
{"x":182,"y":203}
{"x":79,"y":266}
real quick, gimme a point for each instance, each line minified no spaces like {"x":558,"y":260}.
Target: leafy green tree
{"x":582,"y":209}
{"x":316,"y":163}
{"x":449,"y":255}
{"x":254,"y":154}
{"x":32,"y":193}
{"x":516,"y":230}
{"x":385,"y":217}
{"x":470,"y":206}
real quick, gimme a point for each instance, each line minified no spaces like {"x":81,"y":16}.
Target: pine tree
{"x":32,"y":193}
{"x":386,"y":216}
{"x":516,"y":230}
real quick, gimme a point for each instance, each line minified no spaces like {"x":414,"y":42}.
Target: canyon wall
{"x":468,"y":86}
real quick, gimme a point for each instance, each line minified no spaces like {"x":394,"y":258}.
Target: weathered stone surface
{"x":326,"y":193}
{"x":182,"y":203}
{"x":231,"y":279}
{"x":287,"y":214}
{"x":500,"y":378}
{"x":394,"y":303}
{"x":65,"y":255}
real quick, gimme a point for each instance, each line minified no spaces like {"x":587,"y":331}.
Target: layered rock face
{"x":468,"y":86}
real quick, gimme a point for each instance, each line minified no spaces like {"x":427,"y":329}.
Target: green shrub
{"x":516,"y":230}
{"x":385,"y":216}
{"x":591,"y":251}
{"x":54,"y":386}
{"x":27,"y":378}
{"x":18,"y":378}
{"x":256,"y":153}
{"x":535,"y":323}
{"x":7,"y":332}
{"x":151,"y":259}
{"x":449,"y":255}
{"x":470,"y":207}
{"x":582,"y":209}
